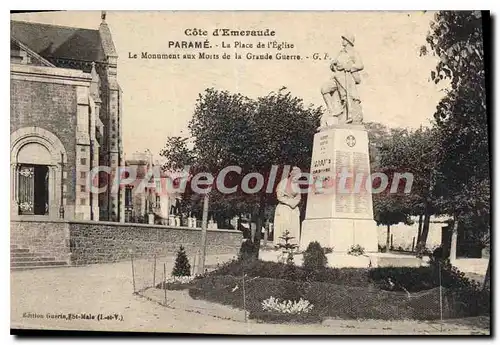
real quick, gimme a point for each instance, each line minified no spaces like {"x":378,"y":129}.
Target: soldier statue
{"x":340,"y":92}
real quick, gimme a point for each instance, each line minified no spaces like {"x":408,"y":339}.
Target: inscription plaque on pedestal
{"x":339,"y":210}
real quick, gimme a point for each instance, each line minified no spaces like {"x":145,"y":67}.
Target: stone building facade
{"x":66,"y":119}
{"x":148,"y":194}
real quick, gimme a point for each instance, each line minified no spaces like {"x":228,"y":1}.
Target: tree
{"x":461,"y":117}
{"x":420,"y":150}
{"x":253,"y":134}
{"x":284,"y":131}
{"x":221,"y":133}
{"x":182,"y":267}
{"x":386,"y":155}
{"x":177,"y":154}
{"x":390,"y":209}
{"x":179,"y":157}
{"x":378,"y":136}
{"x":456,"y":37}
{"x":402,"y":151}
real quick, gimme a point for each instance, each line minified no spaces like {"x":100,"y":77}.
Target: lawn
{"x":348,"y":293}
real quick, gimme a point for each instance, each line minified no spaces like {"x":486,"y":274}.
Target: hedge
{"x":329,"y":300}
{"x":348,"y":293}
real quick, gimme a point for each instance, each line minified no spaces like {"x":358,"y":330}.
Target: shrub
{"x":467,"y":295}
{"x":412,"y":279}
{"x":287,"y":247}
{"x":314,"y":257}
{"x":421,"y":251}
{"x":437,"y":254}
{"x":265,"y":269}
{"x":246,"y":250}
{"x":182,"y":266}
{"x":356,"y":250}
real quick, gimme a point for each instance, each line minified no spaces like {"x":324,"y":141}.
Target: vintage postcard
{"x":232,"y":172}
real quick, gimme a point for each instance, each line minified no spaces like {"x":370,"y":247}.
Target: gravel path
{"x":107,"y":290}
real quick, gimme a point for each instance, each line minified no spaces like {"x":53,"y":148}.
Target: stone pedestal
{"x":339,"y":210}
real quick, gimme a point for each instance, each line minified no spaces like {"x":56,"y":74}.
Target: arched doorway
{"x":36,"y":172}
{"x":33,"y":181}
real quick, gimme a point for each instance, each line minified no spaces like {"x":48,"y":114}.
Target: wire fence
{"x":247,"y":293}
{"x":149,"y":272}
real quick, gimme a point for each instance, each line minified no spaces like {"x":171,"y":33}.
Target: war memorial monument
{"x":339,"y":211}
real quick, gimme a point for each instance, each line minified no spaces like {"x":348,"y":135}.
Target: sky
{"x":159,"y":95}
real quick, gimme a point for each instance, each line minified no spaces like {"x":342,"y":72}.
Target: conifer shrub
{"x":182,"y":267}
{"x":314,"y":257}
{"x":287,"y":247}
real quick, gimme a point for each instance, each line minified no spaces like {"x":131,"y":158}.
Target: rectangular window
{"x":82,"y":201}
{"x":83,"y":174}
{"x":83,"y":161}
{"x":128,"y":197}
{"x":82,"y":188}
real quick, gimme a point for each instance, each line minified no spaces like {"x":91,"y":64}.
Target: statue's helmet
{"x":349,"y":38}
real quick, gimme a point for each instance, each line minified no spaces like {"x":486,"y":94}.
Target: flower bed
{"x":287,"y":306}
{"x":329,"y":300}
{"x":176,"y":283}
{"x":380,"y":293}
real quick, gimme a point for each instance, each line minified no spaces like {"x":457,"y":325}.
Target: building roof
{"x":51,"y":41}
{"x":16,"y":45}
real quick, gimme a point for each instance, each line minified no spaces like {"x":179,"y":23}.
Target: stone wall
{"x":52,"y":107}
{"x":403,"y":234}
{"x":97,"y":242}
{"x":43,"y":238}
{"x":87,"y":242}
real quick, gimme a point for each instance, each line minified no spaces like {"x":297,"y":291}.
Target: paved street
{"x":107,"y":289}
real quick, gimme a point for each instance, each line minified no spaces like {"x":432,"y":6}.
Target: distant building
{"x":66,"y":119}
{"x":149,"y":193}
{"x":404,"y":237}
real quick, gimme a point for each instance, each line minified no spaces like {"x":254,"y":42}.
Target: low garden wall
{"x":97,"y":242}
{"x":86,"y":242}
{"x":42,"y":237}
